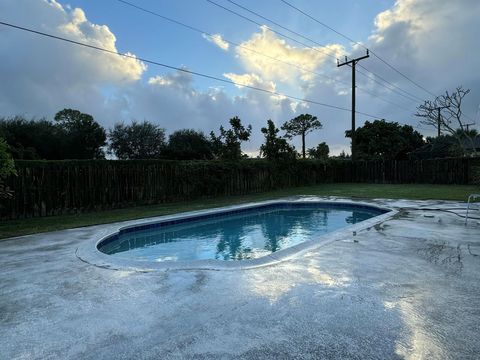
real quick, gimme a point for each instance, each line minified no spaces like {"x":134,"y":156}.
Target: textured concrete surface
{"x":406,"y":288}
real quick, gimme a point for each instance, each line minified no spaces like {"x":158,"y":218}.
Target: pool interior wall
{"x":91,"y":254}
{"x":234,"y":235}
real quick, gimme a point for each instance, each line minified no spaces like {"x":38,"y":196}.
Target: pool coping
{"x":89,"y":253}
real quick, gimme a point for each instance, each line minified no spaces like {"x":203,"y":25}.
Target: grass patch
{"x":366,"y":191}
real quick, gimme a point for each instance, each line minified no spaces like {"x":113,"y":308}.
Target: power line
{"x":382,"y":98}
{"x":281,"y":26}
{"x":299,"y":42}
{"x":313,"y":41}
{"x":321,"y":23}
{"x":203,"y":32}
{"x":227,"y":41}
{"x":272,"y":30}
{"x":412,"y":96}
{"x":130,"y":56}
{"x":391,"y":87}
{"x":360,"y":44}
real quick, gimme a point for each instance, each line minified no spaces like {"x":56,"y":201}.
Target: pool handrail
{"x":470,"y":197}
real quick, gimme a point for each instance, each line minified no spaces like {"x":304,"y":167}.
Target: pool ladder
{"x":471,"y":197}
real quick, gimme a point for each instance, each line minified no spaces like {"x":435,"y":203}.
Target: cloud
{"x":217,"y":40}
{"x":431,"y":41}
{"x":159,"y":80}
{"x":305,"y":60}
{"x":178,"y":80}
{"x":173,"y":102}
{"x":250,"y":80}
{"x":43,"y":75}
{"x":111,"y":67}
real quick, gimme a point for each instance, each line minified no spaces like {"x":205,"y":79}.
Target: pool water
{"x":249,"y":234}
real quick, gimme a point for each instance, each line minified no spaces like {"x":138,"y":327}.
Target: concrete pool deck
{"x":406,"y":288}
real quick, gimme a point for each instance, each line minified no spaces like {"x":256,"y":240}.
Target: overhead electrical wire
{"x":410,"y":96}
{"x":393,"y":87}
{"x":385,"y":100}
{"x":130,"y":56}
{"x":331,"y":53}
{"x":297,"y":41}
{"x":360,"y":44}
{"x":203,"y":32}
{"x":320,"y":50}
{"x":314,"y":42}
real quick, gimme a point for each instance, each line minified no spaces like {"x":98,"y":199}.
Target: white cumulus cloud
{"x":306,"y":60}
{"x":217,"y":40}
{"x":51,"y":75}
{"x":242,"y":80}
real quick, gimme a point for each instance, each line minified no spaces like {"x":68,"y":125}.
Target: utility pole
{"x":439,"y":118}
{"x":468,"y":125}
{"x":352,"y":63}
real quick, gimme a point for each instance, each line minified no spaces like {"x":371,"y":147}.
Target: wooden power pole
{"x":352,"y":63}
{"x":439,"y":118}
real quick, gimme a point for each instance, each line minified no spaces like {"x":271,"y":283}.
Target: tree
{"x":85,"y":136}
{"x":446,"y":145}
{"x":437,"y":147}
{"x":385,"y":140}
{"x":228,"y":144}
{"x":344,"y":156}
{"x":275,"y":147}
{"x":188,"y":144}
{"x":320,"y":152}
{"x":7,"y":168}
{"x":33,"y":139}
{"x":451,"y":117}
{"x":137,"y":141}
{"x":301,"y":125}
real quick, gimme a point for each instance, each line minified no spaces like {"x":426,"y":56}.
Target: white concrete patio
{"x":407,"y":288}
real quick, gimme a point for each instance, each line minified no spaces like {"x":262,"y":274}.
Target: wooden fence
{"x":44,"y":188}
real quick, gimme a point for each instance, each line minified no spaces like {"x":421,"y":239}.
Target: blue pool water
{"x":245,"y":234}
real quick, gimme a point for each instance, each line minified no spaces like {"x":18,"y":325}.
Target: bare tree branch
{"x":451,"y":116}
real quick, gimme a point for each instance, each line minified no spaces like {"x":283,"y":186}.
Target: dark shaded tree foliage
{"x":275,"y":147}
{"x":188,"y":144}
{"x":381,"y":140}
{"x":137,"y":141}
{"x":320,"y":152}
{"x":7,"y":168}
{"x":86,"y":137}
{"x":301,"y":126}
{"x":73,"y":135}
{"x":33,"y":139}
{"x":446,"y":146}
{"x":342,"y":156}
{"x":437,"y":147}
{"x":227,"y":145}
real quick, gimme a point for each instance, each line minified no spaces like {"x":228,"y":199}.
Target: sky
{"x":433,"y":43}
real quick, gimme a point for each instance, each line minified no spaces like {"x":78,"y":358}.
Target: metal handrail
{"x":471,"y":197}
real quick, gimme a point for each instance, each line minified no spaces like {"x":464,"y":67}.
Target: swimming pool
{"x":245,"y":233}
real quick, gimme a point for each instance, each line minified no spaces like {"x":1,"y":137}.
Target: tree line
{"x":75,"y":135}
